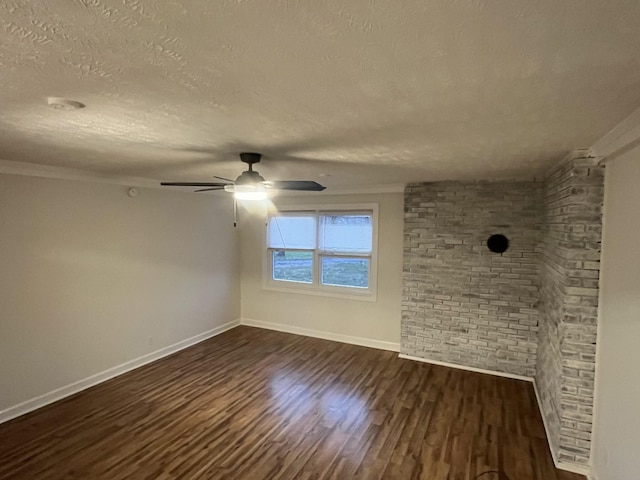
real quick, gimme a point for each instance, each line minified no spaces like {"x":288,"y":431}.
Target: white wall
{"x":88,"y":274}
{"x":378,"y":321}
{"x":616,"y":443}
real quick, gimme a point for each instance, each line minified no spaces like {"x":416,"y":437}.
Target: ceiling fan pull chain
{"x":235,"y":212}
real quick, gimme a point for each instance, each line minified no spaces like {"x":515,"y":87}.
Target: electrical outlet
{"x":149,"y":341}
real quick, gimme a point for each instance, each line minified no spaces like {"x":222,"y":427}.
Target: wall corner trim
{"x":569,"y":467}
{"x":100,"y":377}
{"x":336,"y":337}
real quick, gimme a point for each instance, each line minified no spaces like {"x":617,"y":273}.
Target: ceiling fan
{"x":250,"y":185}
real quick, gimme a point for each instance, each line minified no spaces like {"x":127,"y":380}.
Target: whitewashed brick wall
{"x":462,"y":303}
{"x":570,"y":266}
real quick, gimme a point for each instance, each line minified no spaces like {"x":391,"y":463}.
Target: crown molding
{"x":63,"y":173}
{"x":620,"y":139}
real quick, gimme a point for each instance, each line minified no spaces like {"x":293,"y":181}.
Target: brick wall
{"x":531,"y":311}
{"x":570,"y":262}
{"x":462,"y":303}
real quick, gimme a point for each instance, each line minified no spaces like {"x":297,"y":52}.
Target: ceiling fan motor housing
{"x":249,"y":178}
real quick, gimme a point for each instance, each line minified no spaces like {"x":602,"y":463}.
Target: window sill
{"x":366,"y":296}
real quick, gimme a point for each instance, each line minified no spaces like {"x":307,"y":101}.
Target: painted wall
{"x":378,"y":321}
{"x":616,"y":441}
{"x":91,"y":278}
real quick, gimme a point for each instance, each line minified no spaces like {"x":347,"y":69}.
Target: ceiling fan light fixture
{"x":251,"y":195}
{"x":247,"y":192}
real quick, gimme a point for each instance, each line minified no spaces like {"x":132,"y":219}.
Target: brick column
{"x":569,"y":302}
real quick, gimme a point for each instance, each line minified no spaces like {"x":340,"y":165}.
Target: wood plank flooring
{"x":255,"y":404}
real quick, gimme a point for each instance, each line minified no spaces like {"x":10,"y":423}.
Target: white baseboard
{"x":75,"y":387}
{"x":464,"y":367}
{"x":336,"y":337}
{"x":560,"y":465}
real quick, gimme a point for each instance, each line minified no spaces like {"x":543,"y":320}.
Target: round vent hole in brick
{"x":498,"y":243}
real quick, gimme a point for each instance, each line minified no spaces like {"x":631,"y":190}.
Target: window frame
{"x":317,"y":287}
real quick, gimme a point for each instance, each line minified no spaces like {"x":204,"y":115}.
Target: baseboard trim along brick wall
{"x":469,"y":369}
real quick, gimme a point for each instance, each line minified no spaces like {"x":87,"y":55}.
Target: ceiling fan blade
{"x":302,"y":185}
{"x":209,"y":189}
{"x":192,"y":184}
{"x":222,"y":178}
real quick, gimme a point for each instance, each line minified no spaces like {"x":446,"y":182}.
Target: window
{"x":323,"y":251}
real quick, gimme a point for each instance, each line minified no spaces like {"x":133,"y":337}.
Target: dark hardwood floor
{"x":255,"y":404}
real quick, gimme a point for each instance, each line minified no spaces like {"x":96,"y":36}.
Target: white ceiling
{"x":371,"y":92}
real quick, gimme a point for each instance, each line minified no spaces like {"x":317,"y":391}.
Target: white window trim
{"x":353,"y":293}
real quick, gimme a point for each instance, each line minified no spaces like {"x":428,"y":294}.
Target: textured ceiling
{"x":371,"y":92}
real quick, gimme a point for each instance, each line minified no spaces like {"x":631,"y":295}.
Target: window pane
{"x":293,"y":266}
{"x":346,"y":233}
{"x":296,"y":231}
{"x":348,"y":272}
